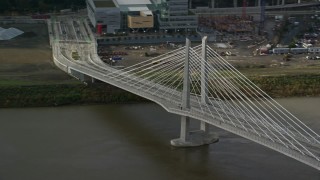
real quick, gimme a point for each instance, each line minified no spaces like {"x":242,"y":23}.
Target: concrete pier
{"x":196,"y":138}
{"x":82,"y":77}
{"x":212,"y":3}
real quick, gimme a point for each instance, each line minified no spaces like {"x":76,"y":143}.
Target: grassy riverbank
{"x":16,"y":95}
{"x":289,"y":85}
{"x":63,"y":94}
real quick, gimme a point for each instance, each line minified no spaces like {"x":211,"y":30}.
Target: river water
{"x":133,"y":142}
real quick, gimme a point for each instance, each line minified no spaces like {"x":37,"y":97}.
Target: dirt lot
{"x":242,"y":57}
{"x":27,"y":59}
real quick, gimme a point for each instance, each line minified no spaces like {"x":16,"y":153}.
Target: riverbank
{"x":28,"y":77}
{"x":289,"y":85}
{"x":63,"y":94}
{"x":15,"y":95}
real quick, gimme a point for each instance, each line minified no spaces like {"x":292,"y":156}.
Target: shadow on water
{"x":133,"y":142}
{"x":152,"y":130}
{"x":153,"y":139}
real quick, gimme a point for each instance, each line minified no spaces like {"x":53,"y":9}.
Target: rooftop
{"x":148,"y":13}
{"x":140,"y":8}
{"x":103,"y":3}
{"x":7,"y":34}
{"x":133,"y":2}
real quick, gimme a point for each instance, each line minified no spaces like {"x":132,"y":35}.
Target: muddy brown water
{"x":131,"y":141}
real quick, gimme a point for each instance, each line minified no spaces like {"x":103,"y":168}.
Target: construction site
{"x":237,"y":24}
{"x":230,"y":24}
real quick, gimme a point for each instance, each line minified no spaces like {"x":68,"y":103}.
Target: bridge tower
{"x":204,"y":81}
{"x":203,"y":136}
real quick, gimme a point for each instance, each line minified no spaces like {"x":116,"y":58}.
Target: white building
{"x":314,"y":50}
{"x":117,"y":15}
{"x":104,"y":12}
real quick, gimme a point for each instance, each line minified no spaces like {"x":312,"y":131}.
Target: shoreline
{"x":50,"y":95}
{"x":63,"y":94}
{"x":29,"y":77}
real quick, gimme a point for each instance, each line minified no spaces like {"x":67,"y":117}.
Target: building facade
{"x":104,"y":13}
{"x":174,"y":15}
{"x":120,"y":15}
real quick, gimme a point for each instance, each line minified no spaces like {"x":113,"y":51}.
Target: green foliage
{"x":64,"y":94}
{"x":287,"y":86}
{"x":292,"y":44}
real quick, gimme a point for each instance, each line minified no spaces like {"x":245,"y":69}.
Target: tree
{"x":292,"y":44}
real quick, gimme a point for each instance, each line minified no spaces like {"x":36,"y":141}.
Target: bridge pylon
{"x":203,"y":136}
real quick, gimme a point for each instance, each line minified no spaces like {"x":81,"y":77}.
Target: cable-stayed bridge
{"x":193,"y":82}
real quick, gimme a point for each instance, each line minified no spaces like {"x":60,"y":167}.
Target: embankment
{"x":63,"y":94}
{"x":289,"y":85}
{"x":69,"y":94}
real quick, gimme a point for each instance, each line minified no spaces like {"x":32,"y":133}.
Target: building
{"x":121,"y":15}
{"x":174,"y":15}
{"x":135,"y":14}
{"x":250,"y":3}
{"x":104,"y":13}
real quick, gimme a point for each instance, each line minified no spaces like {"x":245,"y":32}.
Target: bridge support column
{"x":204,"y":79}
{"x":258,"y":3}
{"x":184,"y":128}
{"x":82,"y":77}
{"x":235,"y":3}
{"x":86,"y":79}
{"x":187,"y":138}
{"x":93,"y":80}
{"x":212,"y":3}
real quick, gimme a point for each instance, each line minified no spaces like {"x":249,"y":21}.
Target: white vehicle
{"x":281,"y":50}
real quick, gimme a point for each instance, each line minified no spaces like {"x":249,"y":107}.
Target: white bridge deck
{"x":219,"y":94}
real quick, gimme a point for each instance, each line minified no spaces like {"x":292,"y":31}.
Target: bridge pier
{"x":86,"y":79}
{"x":212,"y":3}
{"x":184,"y":128}
{"x":193,"y":138}
{"x":93,"y":80}
{"x":82,"y":77}
{"x":199,"y":137}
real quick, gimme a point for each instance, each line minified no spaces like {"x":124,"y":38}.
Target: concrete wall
{"x":21,"y":20}
{"x":149,"y":39}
